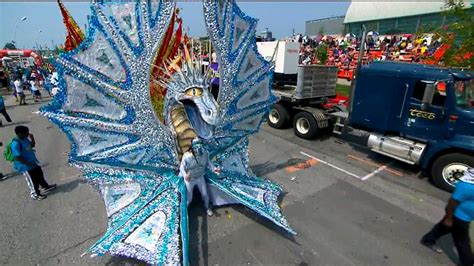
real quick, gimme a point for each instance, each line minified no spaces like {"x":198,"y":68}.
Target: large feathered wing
{"x":245,"y":99}
{"x":104,"y":108}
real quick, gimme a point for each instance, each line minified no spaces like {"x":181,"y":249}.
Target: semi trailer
{"x":418,"y":114}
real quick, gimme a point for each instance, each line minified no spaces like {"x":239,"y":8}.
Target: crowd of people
{"x":32,"y":79}
{"x":20,"y":151}
{"x":343,"y":51}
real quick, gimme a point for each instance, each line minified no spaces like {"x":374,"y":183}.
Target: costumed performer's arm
{"x":210,"y":165}
{"x":184,"y":166}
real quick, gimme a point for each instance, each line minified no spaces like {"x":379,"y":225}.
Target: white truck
{"x":285,"y":55}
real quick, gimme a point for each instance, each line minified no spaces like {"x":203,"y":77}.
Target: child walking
{"x":25,"y":162}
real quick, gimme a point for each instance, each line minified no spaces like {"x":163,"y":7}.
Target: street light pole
{"x":36,"y":38}
{"x":16,"y":28}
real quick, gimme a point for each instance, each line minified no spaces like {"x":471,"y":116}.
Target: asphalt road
{"x":349,"y":207}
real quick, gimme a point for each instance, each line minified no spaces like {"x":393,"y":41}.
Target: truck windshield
{"x":464,"y":90}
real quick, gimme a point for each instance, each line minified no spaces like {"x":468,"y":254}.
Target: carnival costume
{"x":131,"y":153}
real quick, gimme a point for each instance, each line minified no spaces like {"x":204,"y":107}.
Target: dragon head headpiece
{"x":189,"y":87}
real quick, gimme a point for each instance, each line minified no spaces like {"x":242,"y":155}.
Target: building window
{"x":430,"y":22}
{"x":354,"y":28}
{"x":407,"y":24}
{"x":372,"y":26}
{"x":388,"y":26}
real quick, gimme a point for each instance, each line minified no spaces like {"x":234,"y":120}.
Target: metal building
{"x":326,"y":26}
{"x":391,"y":17}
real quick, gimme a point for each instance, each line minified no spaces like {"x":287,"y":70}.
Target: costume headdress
{"x":132,"y":155}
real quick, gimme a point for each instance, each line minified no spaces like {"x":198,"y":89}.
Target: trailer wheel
{"x":278,"y":117}
{"x":305,"y":126}
{"x":447,"y":169}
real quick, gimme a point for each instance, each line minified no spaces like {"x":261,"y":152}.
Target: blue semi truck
{"x":418,"y":114}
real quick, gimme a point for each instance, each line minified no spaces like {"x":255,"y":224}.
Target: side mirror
{"x":428,"y":96}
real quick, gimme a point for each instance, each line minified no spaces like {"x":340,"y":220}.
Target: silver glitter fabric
{"x":124,"y":151}
{"x":245,"y":99}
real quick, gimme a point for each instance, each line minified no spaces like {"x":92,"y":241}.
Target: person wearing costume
{"x":193,"y":168}
{"x":215,"y":76}
{"x":132,"y":151}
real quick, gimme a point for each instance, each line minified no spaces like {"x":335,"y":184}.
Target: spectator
{"x":459,"y":214}
{"x":3,"y":111}
{"x":4,"y":83}
{"x":214,"y":71}
{"x":20,"y":91}
{"x":26,"y":162}
{"x":35,"y":90}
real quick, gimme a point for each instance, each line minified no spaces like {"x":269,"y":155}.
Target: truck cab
{"x":422,"y":115}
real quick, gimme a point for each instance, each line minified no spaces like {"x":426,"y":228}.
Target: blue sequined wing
{"x":104,"y":108}
{"x":245,"y":98}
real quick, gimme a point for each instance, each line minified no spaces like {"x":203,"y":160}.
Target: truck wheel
{"x":305,"y":125}
{"x":278,"y":117}
{"x":447,"y":169}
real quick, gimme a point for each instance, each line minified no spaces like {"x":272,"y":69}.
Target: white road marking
{"x":253,"y":256}
{"x":331,"y":165}
{"x":378,"y":170}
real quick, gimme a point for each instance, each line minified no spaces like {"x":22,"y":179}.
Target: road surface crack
{"x":69,"y":248}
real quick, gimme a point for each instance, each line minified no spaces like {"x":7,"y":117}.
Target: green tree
{"x":9,"y":46}
{"x":459,"y":35}
{"x":321,"y":30}
{"x":322,"y":53}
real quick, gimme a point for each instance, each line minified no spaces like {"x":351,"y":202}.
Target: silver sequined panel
{"x":104,"y":108}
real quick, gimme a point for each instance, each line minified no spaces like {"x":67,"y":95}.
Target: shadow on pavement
{"x":196,"y":243}
{"x":11,"y":175}
{"x":447,"y":245}
{"x":117,"y":260}
{"x":70,"y":186}
{"x":270,"y":167}
{"x":264,"y":222}
{"x":15,"y":124}
{"x":359,"y":144}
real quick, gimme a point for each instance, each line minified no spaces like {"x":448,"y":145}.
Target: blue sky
{"x":279,"y":17}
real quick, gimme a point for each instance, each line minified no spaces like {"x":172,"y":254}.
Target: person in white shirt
{"x":193,"y":168}
{"x":19,"y":91}
{"x":35,"y":90}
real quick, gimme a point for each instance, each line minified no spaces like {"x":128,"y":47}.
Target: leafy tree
{"x":322,"y":53}
{"x":458,"y":36}
{"x":9,"y":46}
{"x":321,"y":30}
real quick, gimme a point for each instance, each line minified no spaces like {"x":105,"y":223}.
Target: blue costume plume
{"x":130,"y":155}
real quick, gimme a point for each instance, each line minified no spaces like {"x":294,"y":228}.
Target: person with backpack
{"x":24,"y":161}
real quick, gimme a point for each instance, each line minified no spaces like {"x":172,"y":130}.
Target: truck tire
{"x":447,"y":169}
{"x":279,"y":117}
{"x":305,"y":126}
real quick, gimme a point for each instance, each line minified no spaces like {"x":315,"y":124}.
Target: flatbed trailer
{"x":417,"y":114}
{"x":308,"y":106}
